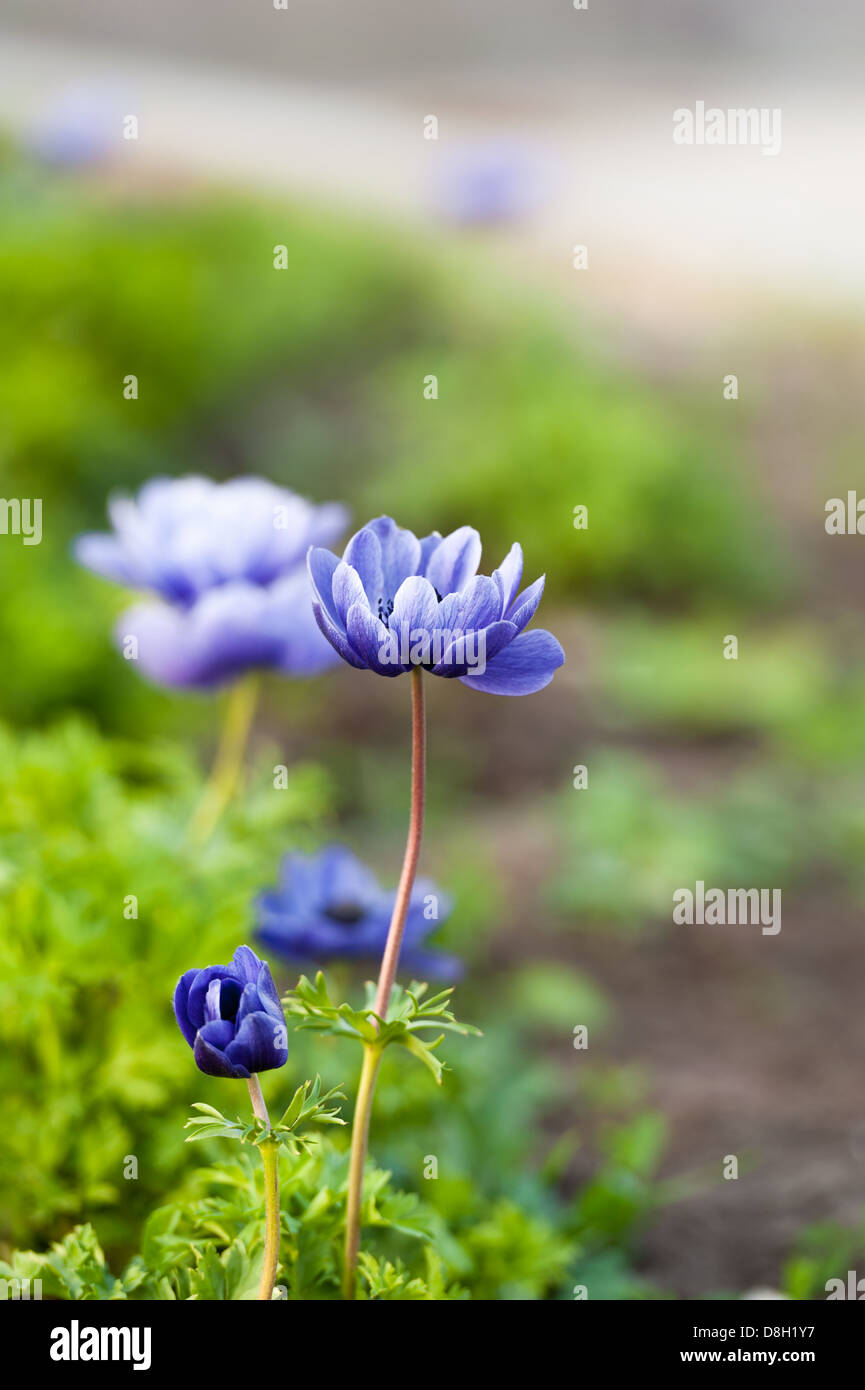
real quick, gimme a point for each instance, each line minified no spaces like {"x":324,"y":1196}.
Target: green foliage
{"x":514,"y":1255}
{"x":530,"y":423}
{"x":634,"y":842}
{"x":88,"y":1036}
{"x":74,"y":1268}
{"x":308,"y":1106}
{"x":822,"y":1252}
{"x":74,"y":311}
{"x":209,"y":1243}
{"x":408,"y":1015}
{"x":673,"y":674}
{"x":552,"y":998}
{"x":494,"y":1100}
{"x":87,"y":1032}
{"x":623,"y":1192}
{"x":389,"y":1282}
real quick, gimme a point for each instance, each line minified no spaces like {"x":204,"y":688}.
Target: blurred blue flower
{"x":231,"y":1017}
{"x":490,"y":182}
{"x":329,"y":906}
{"x":227,"y":562}
{"x":393,"y":602}
{"x":81,"y":125}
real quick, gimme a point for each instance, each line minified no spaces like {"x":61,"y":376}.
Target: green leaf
{"x":409,"y":1013}
{"x":423,"y":1052}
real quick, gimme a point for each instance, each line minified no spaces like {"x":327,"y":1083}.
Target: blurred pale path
{"x":329,"y":101}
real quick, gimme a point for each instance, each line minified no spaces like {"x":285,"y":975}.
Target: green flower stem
{"x":228,"y":763}
{"x":359,"y":1139}
{"x":270,"y":1160}
{"x":387,"y":975}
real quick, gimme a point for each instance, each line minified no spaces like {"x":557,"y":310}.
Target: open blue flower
{"x":231,"y":1017}
{"x":394,"y":602}
{"x":329,"y":906}
{"x":226,"y":561}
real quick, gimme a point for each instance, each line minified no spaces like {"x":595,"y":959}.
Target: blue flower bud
{"x":231,"y":1017}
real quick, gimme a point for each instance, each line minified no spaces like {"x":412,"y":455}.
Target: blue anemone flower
{"x":226,"y":563}
{"x":231,"y":1017}
{"x":330,"y":906}
{"x":394,"y":602}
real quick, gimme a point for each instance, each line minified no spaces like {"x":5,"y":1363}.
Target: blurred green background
{"x":557,"y":1167}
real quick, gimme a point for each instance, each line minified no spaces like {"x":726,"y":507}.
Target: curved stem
{"x":228,"y":763}
{"x":387,"y":975}
{"x":390,"y":959}
{"x":270,"y":1160}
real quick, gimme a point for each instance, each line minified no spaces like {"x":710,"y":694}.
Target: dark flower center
{"x":345,"y":912}
{"x":229,"y":999}
{"x":385,"y":608}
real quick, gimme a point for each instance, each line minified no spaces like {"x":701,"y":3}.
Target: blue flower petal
{"x":105,"y":556}
{"x":267,"y":992}
{"x":343,"y":877}
{"x":427,"y":546}
{"x":415,"y":611}
{"x":245,"y":965}
{"x":250,"y":1003}
{"x":183,"y":536}
{"x":454,"y":561}
{"x":300,"y":879}
{"x":347,"y":589}
{"x":400,"y":555}
{"x":475,"y":649}
{"x":363,"y":555}
{"x":335,"y":635}
{"x":321,"y":566}
{"x":482,"y":602}
{"x":527,"y":664}
{"x":302,"y":919}
{"x":230,"y":630}
{"x":450,"y":614}
{"x":196,"y":1000}
{"x":436,"y":965}
{"x":509,"y":574}
{"x":260,"y":1044}
{"x":181,"y":1010}
{"x":210,"y":1050}
{"x":369,"y":638}
{"x":523,"y":609}
{"x":290,"y":612}
{"x":212,"y":1001}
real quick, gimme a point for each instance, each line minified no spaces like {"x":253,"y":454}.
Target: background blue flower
{"x":226,"y":561}
{"x":231,"y":1017}
{"x":394,"y":601}
{"x":330,"y":906}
